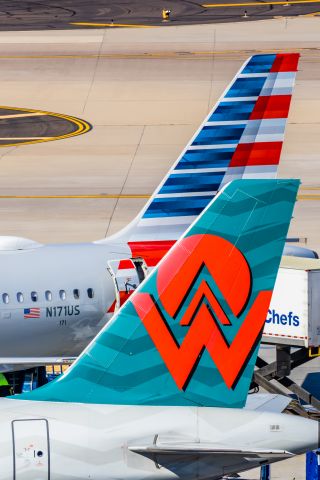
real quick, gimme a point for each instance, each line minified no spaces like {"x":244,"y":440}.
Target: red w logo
{"x":204,"y":315}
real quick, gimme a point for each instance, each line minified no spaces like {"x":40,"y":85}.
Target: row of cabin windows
{"x":34,"y":296}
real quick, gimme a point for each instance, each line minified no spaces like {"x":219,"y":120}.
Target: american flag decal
{"x":31,"y":313}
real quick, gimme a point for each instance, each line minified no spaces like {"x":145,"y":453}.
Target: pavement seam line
{"x":125,"y":180}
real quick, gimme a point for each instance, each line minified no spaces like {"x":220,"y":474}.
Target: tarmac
{"x":144,"y":92}
{"x":66,"y":14}
{"x":24,"y":126}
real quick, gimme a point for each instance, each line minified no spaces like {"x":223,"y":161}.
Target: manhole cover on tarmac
{"x":21,"y":126}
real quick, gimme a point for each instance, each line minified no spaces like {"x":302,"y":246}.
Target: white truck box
{"x":294,"y":313}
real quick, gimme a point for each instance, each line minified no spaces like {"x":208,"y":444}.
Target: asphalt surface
{"x":24,"y":126}
{"x":62,"y":14}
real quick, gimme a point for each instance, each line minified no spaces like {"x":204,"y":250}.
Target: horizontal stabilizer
{"x":267,"y":402}
{"x":208,"y":449}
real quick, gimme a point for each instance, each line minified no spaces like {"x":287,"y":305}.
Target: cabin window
{"x":5,"y":298}
{"x":62,"y":294}
{"x":20,"y":297}
{"x":90,"y":292}
{"x":34,"y":296}
{"x":48,"y":295}
{"x":76,"y":293}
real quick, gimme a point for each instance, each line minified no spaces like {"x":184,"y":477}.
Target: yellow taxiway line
{"x":257,"y":4}
{"x":111,"y":196}
{"x":2,"y":197}
{"x":309,"y":197}
{"x":21,"y":115}
{"x":123,"y":25}
{"x":168,"y":54}
{"x":82,"y":126}
{"x":12,"y":139}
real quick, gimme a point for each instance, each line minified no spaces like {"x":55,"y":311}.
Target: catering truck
{"x":294,"y":314}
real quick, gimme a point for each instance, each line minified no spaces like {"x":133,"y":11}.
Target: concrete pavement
{"x":145,"y":92}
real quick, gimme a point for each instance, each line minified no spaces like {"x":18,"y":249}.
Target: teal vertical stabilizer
{"x":190,"y":333}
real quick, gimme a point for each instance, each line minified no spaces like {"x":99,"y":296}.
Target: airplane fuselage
{"x":53,"y":300}
{"x":67,"y":440}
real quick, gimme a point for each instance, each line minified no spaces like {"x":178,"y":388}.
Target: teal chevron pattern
{"x":125,"y":363}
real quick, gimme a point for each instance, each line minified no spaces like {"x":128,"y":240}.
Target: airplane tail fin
{"x":190,"y":333}
{"x":241,"y":138}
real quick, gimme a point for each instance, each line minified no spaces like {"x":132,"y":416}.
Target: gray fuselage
{"x":68,"y":289}
{"x":104,"y":442}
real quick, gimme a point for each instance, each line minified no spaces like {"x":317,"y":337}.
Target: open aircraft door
{"x":31,"y":456}
{"x":126,"y":274}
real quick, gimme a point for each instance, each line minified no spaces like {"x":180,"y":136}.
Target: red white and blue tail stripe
{"x":242,"y":137}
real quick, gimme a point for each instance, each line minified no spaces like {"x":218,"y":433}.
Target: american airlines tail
{"x":241,"y":138}
{"x":190,"y":333}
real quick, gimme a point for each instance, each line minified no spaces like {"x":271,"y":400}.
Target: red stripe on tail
{"x":275,"y":106}
{"x":255,"y":154}
{"x":150,"y":251}
{"x":285,"y":62}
